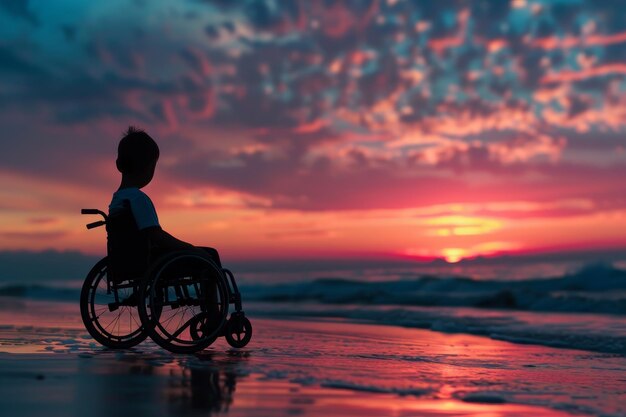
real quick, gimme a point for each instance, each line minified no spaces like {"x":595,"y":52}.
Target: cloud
{"x":20,"y":9}
{"x":43,"y":220}
{"x":273,"y":67}
{"x":357,"y":105}
{"x":317,"y":185}
{"x":30,"y":235}
{"x":301,"y":233}
{"x":13,"y":63}
{"x":599,"y":71}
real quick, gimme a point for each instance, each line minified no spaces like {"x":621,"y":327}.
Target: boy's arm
{"x":161,"y":239}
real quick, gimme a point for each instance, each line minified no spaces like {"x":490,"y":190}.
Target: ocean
{"x":566,"y":304}
{"x":439,"y":340}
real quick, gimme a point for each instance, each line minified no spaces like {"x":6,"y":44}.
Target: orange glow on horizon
{"x":244,"y":226}
{"x":257,"y":233}
{"x":460,"y":225}
{"x":453,"y":255}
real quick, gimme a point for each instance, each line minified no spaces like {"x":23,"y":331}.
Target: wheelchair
{"x":180,"y":299}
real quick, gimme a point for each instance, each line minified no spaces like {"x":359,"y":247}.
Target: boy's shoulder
{"x":124,"y":196}
{"x":139,"y":203}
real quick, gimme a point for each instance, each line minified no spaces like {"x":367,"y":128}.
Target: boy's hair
{"x":136,"y":150}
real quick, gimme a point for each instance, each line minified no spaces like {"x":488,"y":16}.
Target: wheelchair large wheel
{"x":112,"y":322}
{"x":184,"y":302}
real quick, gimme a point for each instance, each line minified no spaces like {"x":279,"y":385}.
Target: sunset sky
{"x":321,"y":129}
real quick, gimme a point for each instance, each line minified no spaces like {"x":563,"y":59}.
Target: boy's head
{"x":137,"y":154}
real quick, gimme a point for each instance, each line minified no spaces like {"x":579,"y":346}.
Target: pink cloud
{"x":569,"y":76}
{"x":554,"y":42}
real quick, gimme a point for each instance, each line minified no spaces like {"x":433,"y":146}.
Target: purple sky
{"x":444,"y":128}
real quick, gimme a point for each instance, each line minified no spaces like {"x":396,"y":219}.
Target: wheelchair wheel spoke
{"x":169,"y":319}
{"x":113,"y":321}
{"x":182,"y":318}
{"x":127,"y":316}
{"x":109,"y":325}
{"x":180,"y":330}
{"x":108,"y":316}
{"x":135,"y":320}
{"x":119,"y":321}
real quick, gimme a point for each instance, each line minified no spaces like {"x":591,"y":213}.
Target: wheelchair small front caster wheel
{"x":238,"y":331}
{"x":204,"y":325}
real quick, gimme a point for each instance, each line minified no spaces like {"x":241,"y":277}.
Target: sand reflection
{"x":134,"y":383}
{"x":204,"y":388}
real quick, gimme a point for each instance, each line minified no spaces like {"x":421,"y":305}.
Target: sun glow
{"x":458,"y":225}
{"x":454,"y":255}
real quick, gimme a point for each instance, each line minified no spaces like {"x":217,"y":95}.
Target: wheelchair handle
{"x":93,"y":211}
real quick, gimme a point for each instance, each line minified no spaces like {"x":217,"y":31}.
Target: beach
{"x":296,"y":366}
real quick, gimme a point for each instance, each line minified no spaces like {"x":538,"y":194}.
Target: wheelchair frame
{"x":159,"y":289}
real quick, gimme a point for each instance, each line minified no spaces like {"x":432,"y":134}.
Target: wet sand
{"x":50,"y":366}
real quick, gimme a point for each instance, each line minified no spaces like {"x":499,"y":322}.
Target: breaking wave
{"x":597,"y":288}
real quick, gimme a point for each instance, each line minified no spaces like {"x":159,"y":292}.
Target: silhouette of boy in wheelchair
{"x":150,"y":283}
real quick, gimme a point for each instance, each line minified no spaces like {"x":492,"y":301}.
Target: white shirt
{"x":140,"y":204}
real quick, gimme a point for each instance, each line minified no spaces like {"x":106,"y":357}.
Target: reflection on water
{"x":134,"y":382}
{"x":201,"y":388}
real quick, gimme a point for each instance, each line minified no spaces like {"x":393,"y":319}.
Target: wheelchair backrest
{"x":128,"y":249}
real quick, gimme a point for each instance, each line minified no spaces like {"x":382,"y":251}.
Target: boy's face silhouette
{"x":137,"y":156}
{"x":145,"y":175}
{"x":140,"y":176}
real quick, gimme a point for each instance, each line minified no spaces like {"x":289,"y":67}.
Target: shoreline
{"x":587,"y":332}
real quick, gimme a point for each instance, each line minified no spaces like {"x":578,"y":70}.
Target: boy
{"x":137,"y":155}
